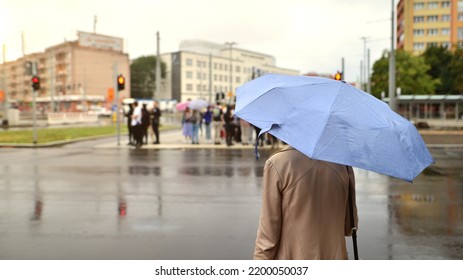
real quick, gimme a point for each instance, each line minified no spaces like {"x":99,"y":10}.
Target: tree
{"x":455,"y":72}
{"x":143,"y":76}
{"x":411,"y":75}
{"x":439,"y":60}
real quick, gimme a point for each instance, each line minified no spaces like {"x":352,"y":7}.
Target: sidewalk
{"x":173,"y":139}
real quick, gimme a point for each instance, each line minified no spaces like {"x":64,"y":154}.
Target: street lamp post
{"x":230,"y":45}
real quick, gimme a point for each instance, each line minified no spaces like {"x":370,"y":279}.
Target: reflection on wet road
{"x":77,"y":202}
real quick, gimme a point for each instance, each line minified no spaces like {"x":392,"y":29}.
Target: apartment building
{"x":201,"y":69}
{"x":71,"y":74}
{"x":425,"y":23}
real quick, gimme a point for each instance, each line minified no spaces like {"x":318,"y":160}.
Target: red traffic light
{"x":35,"y":83}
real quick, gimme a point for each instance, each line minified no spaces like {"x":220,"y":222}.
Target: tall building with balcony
{"x":425,"y":23}
{"x":71,"y":73}
{"x":201,"y":69}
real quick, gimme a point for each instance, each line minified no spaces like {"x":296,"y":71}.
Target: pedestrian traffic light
{"x":338,"y":76}
{"x":120,"y":82}
{"x":35,"y":83}
{"x":110,"y":94}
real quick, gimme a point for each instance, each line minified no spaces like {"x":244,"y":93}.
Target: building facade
{"x":202,"y":69}
{"x":71,"y":74}
{"x":425,"y":23}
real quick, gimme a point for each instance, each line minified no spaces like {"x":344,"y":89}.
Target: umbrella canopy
{"x":198,"y":104}
{"x":333,"y":121}
{"x":182,"y":106}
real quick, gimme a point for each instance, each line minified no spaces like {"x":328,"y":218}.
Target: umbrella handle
{"x":354,"y":243}
{"x":354,"y":229}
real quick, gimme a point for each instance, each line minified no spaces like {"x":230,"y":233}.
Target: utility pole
{"x":94,"y":24}
{"x":158,"y":68}
{"x":210,"y":78}
{"x":368,"y":73}
{"x":364,"y":70}
{"x":392,"y":101}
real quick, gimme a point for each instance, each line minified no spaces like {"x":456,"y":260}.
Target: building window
{"x":237,"y":69}
{"x":198,"y":64}
{"x":460,"y":17}
{"x":418,"y":19}
{"x":220,"y":66}
{"x":445,"y":17}
{"x":215,"y":65}
{"x":445,"y":31}
{"x":189,"y":74}
{"x":446,"y":45}
{"x":189,"y":87}
{"x":215,"y":77}
{"x":460,"y":33}
{"x":418,"y":32}
{"x":189,"y":62}
{"x":238,"y":80}
{"x":432,"y":44}
{"x":433,"y":32}
{"x":433,"y":5}
{"x":198,"y":87}
{"x":199,"y":76}
{"x":418,"y":6}
{"x":446,"y":4}
{"x":418,"y":46}
{"x":225,"y":67}
{"x":460,"y":5}
{"x":433,"y":18}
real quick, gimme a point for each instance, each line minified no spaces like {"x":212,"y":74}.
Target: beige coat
{"x":305,"y":212}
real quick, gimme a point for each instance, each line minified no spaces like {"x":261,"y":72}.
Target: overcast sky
{"x":305,"y":35}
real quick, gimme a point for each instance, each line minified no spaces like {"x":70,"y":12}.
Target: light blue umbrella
{"x":333,"y":121}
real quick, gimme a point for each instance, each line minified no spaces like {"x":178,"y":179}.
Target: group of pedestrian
{"x":139,"y":120}
{"x":218,"y":125}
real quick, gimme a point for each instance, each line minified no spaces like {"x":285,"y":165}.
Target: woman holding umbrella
{"x":305,"y":208}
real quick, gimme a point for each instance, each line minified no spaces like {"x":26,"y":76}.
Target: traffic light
{"x":120,"y":82}
{"x":338,"y":76}
{"x":35,"y":83}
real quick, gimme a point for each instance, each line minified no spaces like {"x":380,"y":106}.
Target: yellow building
{"x":425,"y":23}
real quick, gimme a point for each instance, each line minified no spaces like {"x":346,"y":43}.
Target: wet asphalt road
{"x":80,"y":201}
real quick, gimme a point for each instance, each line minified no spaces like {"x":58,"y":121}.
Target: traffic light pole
{"x":5,"y":93}
{"x":34,"y":106}
{"x":116,"y":88}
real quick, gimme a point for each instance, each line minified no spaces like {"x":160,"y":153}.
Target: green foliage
{"x":439,"y":60}
{"x":456,"y":72}
{"x":411,"y":75}
{"x":143,"y":76}
{"x":437,"y":71}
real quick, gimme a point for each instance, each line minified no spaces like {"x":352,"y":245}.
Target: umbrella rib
{"x":326,"y":120}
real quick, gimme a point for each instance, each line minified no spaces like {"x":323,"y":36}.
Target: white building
{"x":201,"y":69}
